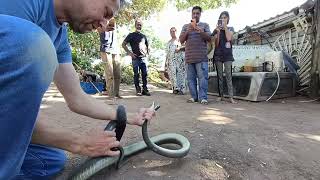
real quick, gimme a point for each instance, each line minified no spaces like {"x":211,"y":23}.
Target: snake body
{"x":94,"y":165}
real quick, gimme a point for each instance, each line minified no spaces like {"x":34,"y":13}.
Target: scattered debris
{"x":200,"y":135}
{"x":263,"y":164}
{"x":219,"y":165}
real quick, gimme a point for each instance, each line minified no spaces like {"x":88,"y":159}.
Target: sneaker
{"x":191,"y":100}
{"x":204,"y":102}
{"x":146,"y":92}
{"x":232,"y":101}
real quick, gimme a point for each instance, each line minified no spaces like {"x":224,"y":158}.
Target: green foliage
{"x":139,"y":8}
{"x":99,"y":68}
{"x":85,"y":48}
{"x":127,"y":74}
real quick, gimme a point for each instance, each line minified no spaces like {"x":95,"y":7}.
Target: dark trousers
{"x":139,"y":64}
{"x":228,"y":72}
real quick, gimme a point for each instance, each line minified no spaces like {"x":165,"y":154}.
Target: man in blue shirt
{"x":34,"y":50}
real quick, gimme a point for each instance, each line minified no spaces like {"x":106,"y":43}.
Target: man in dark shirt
{"x":140,"y":50}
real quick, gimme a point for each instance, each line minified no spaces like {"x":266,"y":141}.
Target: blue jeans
{"x":41,"y":162}
{"x":197,"y":73}
{"x":140,"y":64}
{"x":28,"y":61}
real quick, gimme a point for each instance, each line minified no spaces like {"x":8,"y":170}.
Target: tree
{"x":145,"y":8}
{"x":85,"y":48}
{"x":205,"y":4}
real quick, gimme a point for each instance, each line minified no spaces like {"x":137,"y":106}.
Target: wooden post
{"x":315,"y":69}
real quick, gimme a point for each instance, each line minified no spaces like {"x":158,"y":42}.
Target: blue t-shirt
{"x":41,"y":13}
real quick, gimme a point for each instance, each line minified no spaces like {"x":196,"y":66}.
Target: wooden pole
{"x":315,"y":69}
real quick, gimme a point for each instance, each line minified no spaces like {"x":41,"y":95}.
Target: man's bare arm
{"x":68,"y":84}
{"x":94,"y":143}
{"x":125,"y":47}
{"x":183,"y":37}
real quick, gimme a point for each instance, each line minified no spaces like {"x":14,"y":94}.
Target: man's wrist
{"x":75,"y":144}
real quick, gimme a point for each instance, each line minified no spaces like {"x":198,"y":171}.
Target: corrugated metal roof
{"x":278,"y":17}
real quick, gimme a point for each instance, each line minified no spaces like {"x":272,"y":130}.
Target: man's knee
{"x":29,"y":48}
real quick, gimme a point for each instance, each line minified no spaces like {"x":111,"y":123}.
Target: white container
{"x":277,"y":58}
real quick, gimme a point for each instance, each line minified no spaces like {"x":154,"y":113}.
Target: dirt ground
{"x":275,"y":140}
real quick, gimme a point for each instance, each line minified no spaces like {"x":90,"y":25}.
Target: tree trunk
{"x":315,"y":75}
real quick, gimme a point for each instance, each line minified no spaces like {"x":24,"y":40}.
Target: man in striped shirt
{"x":196,"y":35}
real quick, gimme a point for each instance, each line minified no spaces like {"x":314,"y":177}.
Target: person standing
{"x":109,"y":47}
{"x":223,"y":54}
{"x":139,"y":51}
{"x":196,"y":35}
{"x":175,"y":63}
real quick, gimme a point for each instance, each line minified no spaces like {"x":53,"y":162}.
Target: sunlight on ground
{"x":162,"y":90}
{"x":215,"y":117}
{"x":239,"y":109}
{"x":304,"y":136}
{"x":215,"y":109}
{"x":156,"y":163}
{"x":109,"y":98}
{"x":53,"y":99}
{"x":44,"y":106}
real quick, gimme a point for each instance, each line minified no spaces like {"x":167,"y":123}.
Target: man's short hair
{"x":137,"y":20}
{"x":197,"y":7}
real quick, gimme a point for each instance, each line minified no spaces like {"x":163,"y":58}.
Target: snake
{"x":93,"y":165}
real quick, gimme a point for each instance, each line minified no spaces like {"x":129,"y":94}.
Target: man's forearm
{"x":125,"y":47}
{"x":68,"y":83}
{"x":183,"y":37}
{"x":51,"y":134}
{"x":91,"y":107}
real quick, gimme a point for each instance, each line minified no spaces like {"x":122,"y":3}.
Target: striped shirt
{"x":196,"y":47}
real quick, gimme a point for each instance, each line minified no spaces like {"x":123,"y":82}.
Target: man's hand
{"x":143,"y":114}
{"x":133,"y":55}
{"x":199,"y":30}
{"x":97,"y":143}
{"x":190,"y":28}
